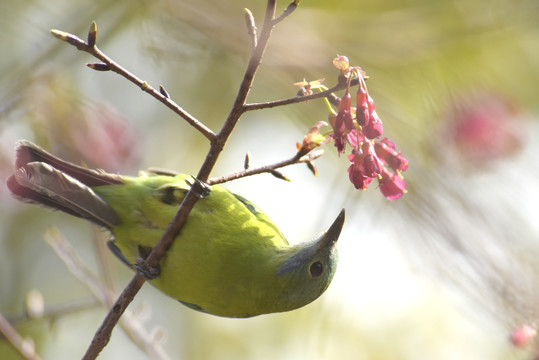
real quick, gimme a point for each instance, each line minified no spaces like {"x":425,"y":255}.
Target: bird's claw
{"x":149,"y":272}
{"x":199,"y":188}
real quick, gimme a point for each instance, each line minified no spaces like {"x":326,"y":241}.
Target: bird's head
{"x":309,"y":268}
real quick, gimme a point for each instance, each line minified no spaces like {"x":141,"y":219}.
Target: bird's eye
{"x":316,"y":269}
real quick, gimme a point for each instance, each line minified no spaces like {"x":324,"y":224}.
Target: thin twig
{"x":329,"y":93}
{"x":68,"y":255}
{"x":144,"y":86}
{"x":110,"y":65}
{"x":289,"y":10}
{"x":238,"y":108}
{"x":267,"y":168}
{"x":51,"y":313}
{"x":24,"y":347}
{"x":105,"y":265}
{"x":129,"y":322}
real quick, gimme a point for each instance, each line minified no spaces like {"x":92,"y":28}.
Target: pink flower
{"x":485,"y":128}
{"x":392,"y":186}
{"x":362,"y":106}
{"x":371,"y":163}
{"x":356,"y":172}
{"x":374,"y":128}
{"x":365,"y":166}
{"x":523,"y":336}
{"x":359,"y":126}
{"x":388,"y":142}
{"x":348,"y":120}
{"x":355,"y":138}
{"x":385,"y":150}
{"x":344,"y":115}
{"x":338,"y":133}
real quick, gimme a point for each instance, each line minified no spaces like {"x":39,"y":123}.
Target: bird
{"x":229,"y":259}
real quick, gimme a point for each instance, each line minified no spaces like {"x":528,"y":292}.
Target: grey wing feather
{"x":41,"y":183}
{"x":28,"y":152}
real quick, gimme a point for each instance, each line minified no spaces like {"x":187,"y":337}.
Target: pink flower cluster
{"x":360,"y":127}
{"x":523,"y":336}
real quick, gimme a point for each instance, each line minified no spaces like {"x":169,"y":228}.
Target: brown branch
{"x":296,"y":159}
{"x":110,"y":65}
{"x":51,"y":313}
{"x":289,"y":10}
{"x":329,"y":93}
{"x":218,"y":142}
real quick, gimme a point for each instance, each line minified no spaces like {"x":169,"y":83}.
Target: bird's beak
{"x":332,"y":234}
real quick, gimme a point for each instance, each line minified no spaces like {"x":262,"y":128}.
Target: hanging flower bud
{"x":345,"y":115}
{"x":356,"y":171}
{"x":385,"y":150}
{"x":389,"y":143}
{"x":346,"y":102}
{"x":392,"y":186}
{"x":374,"y":128}
{"x":362,"y":106}
{"x":348,"y":120}
{"x":338,"y":132}
{"x":371,"y":163}
{"x":340,"y":144}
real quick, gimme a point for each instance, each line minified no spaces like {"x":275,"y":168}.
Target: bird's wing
{"x":28,"y":152}
{"x":41,"y":183}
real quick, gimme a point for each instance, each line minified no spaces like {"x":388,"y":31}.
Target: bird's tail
{"x":42,"y":178}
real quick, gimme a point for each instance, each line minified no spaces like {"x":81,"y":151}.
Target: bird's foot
{"x":199,"y":188}
{"x":149,"y":272}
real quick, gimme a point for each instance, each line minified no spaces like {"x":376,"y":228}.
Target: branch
{"x":238,"y":108}
{"x":51,"y":313}
{"x":23,"y":346}
{"x":109,"y":65}
{"x":218,"y":142}
{"x":329,"y":93}
{"x":129,"y":322}
{"x":296,"y":159}
{"x":289,"y":10}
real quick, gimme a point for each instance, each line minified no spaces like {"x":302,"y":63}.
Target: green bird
{"x":229,"y":258}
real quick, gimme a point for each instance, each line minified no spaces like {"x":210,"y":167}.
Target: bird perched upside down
{"x":229,"y":258}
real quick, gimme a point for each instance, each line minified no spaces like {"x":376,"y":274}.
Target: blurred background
{"x":448,"y":271}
